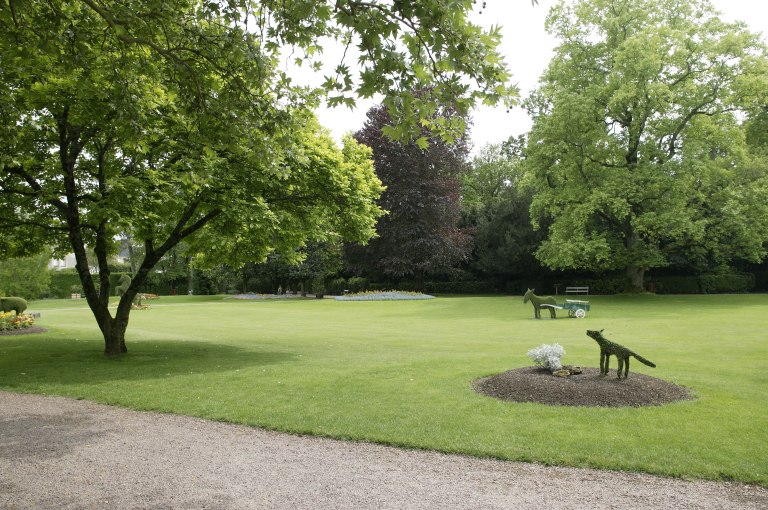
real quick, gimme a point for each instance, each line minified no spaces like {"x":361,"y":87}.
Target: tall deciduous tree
{"x":636,"y":133}
{"x":172,"y":121}
{"x":419,"y":235}
{"x":496,"y":206}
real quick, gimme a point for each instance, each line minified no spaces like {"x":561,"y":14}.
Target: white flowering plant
{"x":548,"y":356}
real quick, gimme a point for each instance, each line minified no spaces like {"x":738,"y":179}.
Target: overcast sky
{"x":527,"y":49}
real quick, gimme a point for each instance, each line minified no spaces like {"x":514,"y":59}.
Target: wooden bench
{"x":577,"y":290}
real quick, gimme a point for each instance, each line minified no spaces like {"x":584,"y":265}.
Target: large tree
{"x":173,"y":121}
{"x":420,"y":234}
{"x":636,"y":144}
{"x":495,"y":206}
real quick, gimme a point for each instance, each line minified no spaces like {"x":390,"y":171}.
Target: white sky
{"x":527,"y":49}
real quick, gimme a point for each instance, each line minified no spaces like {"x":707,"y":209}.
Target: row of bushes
{"x":67,"y":282}
{"x":726,"y":282}
{"x":717,"y":283}
{"x":64,"y":283}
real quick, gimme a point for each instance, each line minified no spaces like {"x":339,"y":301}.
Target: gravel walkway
{"x":58,"y":453}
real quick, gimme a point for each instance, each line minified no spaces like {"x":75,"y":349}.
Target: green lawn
{"x":400,"y":373}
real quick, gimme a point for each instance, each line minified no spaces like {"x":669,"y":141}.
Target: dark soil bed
{"x":23,"y":331}
{"x":533,"y":384}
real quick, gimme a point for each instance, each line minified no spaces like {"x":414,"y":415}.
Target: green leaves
{"x":172,"y":121}
{"x":634,"y":114}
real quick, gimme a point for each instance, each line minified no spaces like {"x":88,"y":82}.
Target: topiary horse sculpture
{"x":537,"y":301}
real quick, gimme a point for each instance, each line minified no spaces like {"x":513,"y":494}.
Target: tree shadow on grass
{"x":42,"y":360}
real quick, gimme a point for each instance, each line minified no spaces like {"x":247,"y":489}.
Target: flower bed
{"x":389,"y":295}
{"x":266,"y":296}
{"x":9,"y":321}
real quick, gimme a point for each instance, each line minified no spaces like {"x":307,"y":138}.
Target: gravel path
{"x":58,"y":453}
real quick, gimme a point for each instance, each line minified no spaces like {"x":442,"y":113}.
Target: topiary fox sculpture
{"x":622,"y":354}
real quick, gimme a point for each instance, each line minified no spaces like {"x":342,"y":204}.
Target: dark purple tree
{"x":420,"y":235}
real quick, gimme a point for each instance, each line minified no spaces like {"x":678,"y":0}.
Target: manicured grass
{"x":399,"y":372}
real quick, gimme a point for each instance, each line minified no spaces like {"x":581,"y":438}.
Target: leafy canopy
{"x":170,"y":121}
{"x":637,"y":143}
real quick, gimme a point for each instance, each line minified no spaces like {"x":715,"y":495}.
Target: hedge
{"x":66,"y":282}
{"x":713,"y":283}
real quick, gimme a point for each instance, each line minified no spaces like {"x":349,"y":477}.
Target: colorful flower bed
{"x":389,"y":295}
{"x":9,"y":321}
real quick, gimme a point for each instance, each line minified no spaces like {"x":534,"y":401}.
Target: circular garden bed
{"x":590,"y":389}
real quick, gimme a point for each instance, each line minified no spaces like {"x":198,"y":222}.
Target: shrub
{"x":318,"y":286}
{"x":761,"y":280}
{"x":547,"y":356}
{"x":712,"y":283}
{"x":357,"y":284}
{"x":15,"y":304}
{"x":462,"y":287}
{"x":62,"y":283}
{"x":337,"y":286}
{"x":677,"y":285}
{"x":726,"y":282}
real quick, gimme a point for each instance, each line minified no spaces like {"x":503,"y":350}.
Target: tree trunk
{"x":114,"y":341}
{"x":635,"y":277}
{"x":635,"y":273}
{"x":113,"y":330}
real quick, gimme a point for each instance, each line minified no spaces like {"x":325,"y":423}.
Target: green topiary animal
{"x":537,"y":301}
{"x":123,"y":284}
{"x":16,"y":304}
{"x":622,"y":354}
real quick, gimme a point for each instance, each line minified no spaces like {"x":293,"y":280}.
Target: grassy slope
{"x":400,"y":373}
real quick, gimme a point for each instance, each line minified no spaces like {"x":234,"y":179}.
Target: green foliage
{"x":62,"y":283}
{"x":122,"y":284}
{"x":477,"y":287}
{"x":357,"y":284}
{"x":761,"y":280}
{"x":714,"y":283}
{"x":608,"y":349}
{"x":420,"y":234}
{"x":726,"y":282}
{"x":495,"y":206}
{"x":318,"y":285}
{"x":337,"y":286}
{"x":16,"y":304}
{"x":9,"y":321}
{"x":66,"y":281}
{"x":400,"y":373}
{"x":170,"y":122}
{"x":27,"y":276}
{"x":677,"y":285}
{"x":636,"y":149}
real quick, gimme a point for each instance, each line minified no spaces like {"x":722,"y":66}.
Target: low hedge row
{"x":67,"y":282}
{"x":716,"y":283}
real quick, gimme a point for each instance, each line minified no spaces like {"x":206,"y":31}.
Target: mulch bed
{"x":590,"y":389}
{"x":23,"y":331}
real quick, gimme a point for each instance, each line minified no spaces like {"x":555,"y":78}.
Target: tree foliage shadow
{"x":27,"y":361}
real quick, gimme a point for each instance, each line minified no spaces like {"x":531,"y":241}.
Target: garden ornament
{"x":537,"y":301}
{"x":622,"y":354}
{"x":16,"y":304}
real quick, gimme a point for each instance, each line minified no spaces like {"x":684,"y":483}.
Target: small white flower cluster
{"x":389,"y":295}
{"x":547,"y":356}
